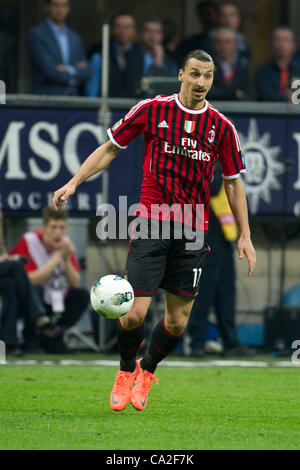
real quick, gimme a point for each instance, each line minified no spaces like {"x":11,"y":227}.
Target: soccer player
{"x":184,"y":135}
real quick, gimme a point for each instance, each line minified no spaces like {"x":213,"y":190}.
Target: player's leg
{"x":181,"y":280}
{"x":144,"y":268}
{"x":130,"y":334}
{"x":165,"y":337}
{"x":169,"y":331}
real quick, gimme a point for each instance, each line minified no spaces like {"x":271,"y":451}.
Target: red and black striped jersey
{"x":181,"y":147}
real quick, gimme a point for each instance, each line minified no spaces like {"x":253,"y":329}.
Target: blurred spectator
{"x":57,"y":58}
{"x":20,"y":302}
{"x":273,"y":79}
{"x":230,"y":17}
{"x":232,"y":80}
{"x":130,"y":62}
{"x":207,"y":12}
{"x":159,"y":70}
{"x":155,"y":57}
{"x":124,"y":68}
{"x":170,"y":41}
{"x":7,"y":72}
{"x":217,"y":285}
{"x":53,"y":268}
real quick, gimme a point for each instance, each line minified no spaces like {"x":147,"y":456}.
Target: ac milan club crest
{"x":211,"y":136}
{"x":189,"y":126}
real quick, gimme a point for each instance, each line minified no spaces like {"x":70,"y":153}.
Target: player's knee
{"x":133,"y":318}
{"x":176,"y":326}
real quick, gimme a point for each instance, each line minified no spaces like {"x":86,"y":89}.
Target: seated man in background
{"x":152,"y":37}
{"x":57,"y":58}
{"x":232,"y":79}
{"x":52,"y":267}
{"x":208,"y":15}
{"x":19,"y":301}
{"x":230,"y":17}
{"x":154,"y":60}
{"x":7,"y":63}
{"x":273,"y":80}
{"x":124,"y":70}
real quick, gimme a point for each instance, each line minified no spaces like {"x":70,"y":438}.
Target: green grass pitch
{"x":67,"y":407}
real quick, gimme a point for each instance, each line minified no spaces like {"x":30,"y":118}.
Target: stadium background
{"x":278,"y":261}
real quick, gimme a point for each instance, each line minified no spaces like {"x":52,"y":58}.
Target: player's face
{"x":123,"y":29}
{"x":196,"y":81}
{"x":58,"y":10}
{"x":54,"y":232}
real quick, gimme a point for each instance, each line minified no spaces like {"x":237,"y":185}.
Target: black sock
{"x":162,"y":343}
{"x":128,"y":344}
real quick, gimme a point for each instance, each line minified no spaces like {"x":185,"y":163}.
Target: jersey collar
{"x":188,"y":110}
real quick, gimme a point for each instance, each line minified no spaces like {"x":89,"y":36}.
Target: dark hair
{"x":49,"y":1}
{"x":197,"y":54}
{"x":207,"y":4}
{"x":151,"y":19}
{"x":120,"y":13}
{"x":49,"y":214}
{"x":283,"y":27}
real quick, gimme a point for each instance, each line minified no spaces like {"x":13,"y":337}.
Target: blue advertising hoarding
{"x":41,"y":149}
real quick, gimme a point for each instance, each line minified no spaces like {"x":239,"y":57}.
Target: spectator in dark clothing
{"x":124,"y":68}
{"x":154,"y":54}
{"x":170,"y":41}
{"x":130,"y":62}
{"x":217,"y":286}
{"x":273,"y":80}
{"x":232,"y":80}
{"x":7,"y":70}
{"x":207,"y":12}
{"x":158,"y":70}
{"x":19,"y":301}
{"x":57,"y":58}
{"x":230,"y":17}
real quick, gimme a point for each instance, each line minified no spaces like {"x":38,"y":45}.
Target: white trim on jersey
{"x":137,"y":106}
{"x":232,"y":177}
{"x":114,"y":141}
{"x":188,"y":110}
{"x":237,"y":140}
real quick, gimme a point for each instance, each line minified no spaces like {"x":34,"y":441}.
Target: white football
{"x":112,"y":296}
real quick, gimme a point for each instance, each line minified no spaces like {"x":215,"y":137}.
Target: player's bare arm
{"x":238,"y":204}
{"x":95,"y":162}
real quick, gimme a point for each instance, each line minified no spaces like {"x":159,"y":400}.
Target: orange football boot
{"x":143,"y":381}
{"x":121,"y":392}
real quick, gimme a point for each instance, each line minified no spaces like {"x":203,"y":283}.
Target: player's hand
{"x":158,"y":54}
{"x":61,"y":196}
{"x":245,"y":247}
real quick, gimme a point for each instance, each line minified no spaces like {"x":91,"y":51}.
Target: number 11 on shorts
{"x":197,"y":273}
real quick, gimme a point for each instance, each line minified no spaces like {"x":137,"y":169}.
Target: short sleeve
{"x":130,"y":126}
{"x":230,"y":154}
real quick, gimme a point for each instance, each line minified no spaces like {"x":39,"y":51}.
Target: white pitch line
{"x":237,"y":363}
